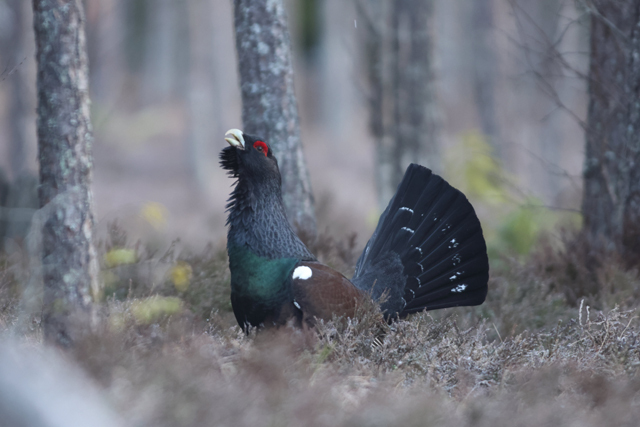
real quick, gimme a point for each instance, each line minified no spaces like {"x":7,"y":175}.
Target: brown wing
{"x":320,"y":291}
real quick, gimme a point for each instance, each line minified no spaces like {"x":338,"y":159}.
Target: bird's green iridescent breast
{"x":257,"y":277}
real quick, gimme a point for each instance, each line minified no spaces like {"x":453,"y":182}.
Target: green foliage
{"x":472,"y":167}
{"x":512,"y":224}
{"x":119,"y":256}
{"x":150,"y":310}
{"x":519,"y":230}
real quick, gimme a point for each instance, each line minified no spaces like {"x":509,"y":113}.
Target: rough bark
{"x":611,"y":201}
{"x":269,"y":107}
{"x":70,"y":269}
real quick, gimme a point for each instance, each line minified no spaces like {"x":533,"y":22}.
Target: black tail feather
{"x":427,"y":251}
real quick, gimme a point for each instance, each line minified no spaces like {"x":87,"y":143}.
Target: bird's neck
{"x":257,"y":221}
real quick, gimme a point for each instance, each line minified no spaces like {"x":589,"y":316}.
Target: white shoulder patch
{"x":303,"y":272}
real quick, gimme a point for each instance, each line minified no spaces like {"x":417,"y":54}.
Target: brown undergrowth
{"x":167,"y":351}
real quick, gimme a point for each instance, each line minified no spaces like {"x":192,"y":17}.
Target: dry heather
{"x":167,"y":354}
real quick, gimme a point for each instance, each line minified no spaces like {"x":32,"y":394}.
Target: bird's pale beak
{"x":236,"y":139}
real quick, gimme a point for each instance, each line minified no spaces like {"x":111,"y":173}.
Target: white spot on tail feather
{"x":303,"y":272}
{"x":455,"y":276}
{"x":404,"y":208}
{"x":456,"y":259}
{"x":408,"y":229}
{"x":459,"y":288}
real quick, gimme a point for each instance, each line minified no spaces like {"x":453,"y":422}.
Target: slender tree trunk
{"x":70,"y":269}
{"x":269,"y":107}
{"x":20,"y":113}
{"x":201,"y":96}
{"x":166,"y":61}
{"x":611,"y":202}
{"x":19,"y":102}
{"x":484,"y":68}
{"x":107,"y":62}
{"x":372,"y":15}
{"x":415,"y":130}
{"x":402,"y":100}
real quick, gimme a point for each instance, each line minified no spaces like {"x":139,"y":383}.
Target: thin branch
{"x":8,"y":72}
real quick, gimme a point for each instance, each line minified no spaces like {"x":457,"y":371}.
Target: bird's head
{"x":248,"y":157}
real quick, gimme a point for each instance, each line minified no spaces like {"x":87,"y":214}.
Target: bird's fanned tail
{"x":427,"y":251}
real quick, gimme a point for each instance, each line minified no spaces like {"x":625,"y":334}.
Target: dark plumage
{"x":427,"y":251}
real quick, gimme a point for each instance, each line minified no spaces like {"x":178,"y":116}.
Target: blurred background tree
{"x":491,"y":82}
{"x":611,"y":201}
{"x":402,"y":95}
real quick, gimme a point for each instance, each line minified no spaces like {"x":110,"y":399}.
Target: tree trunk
{"x":415,"y":131}
{"x":611,"y":202}
{"x":485,"y":69}
{"x":16,"y":45}
{"x":269,"y":107}
{"x":541,"y":36}
{"x":201,"y":96}
{"x":70,"y":268}
{"x":373,"y":16}
{"x":402,"y":115}
{"x":106,"y":46}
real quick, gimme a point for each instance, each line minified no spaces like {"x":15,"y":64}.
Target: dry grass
{"x":531,"y":356}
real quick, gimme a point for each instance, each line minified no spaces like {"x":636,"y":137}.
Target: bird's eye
{"x":261,"y":147}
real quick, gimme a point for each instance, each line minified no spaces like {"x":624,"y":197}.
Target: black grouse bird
{"x":427,"y":251}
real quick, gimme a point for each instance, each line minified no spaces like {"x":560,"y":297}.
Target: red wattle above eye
{"x":261,"y":145}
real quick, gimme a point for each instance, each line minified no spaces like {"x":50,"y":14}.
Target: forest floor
{"x":556,"y":343}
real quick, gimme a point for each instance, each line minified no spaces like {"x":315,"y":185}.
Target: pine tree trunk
{"x":201,"y":95}
{"x":373,"y":16}
{"x":16,"y":47}
{"x":70,"y":269}
{"x":402,"y":96}
{"x":108,"y":59}
{"x":611,"y":202}
{"x":415,"y":131}
{"x":269,"y":107}
{"x":484,"y":67}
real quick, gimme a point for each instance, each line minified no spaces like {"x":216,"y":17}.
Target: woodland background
{"x":556,"y":343}
{"x":164,"y":89}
